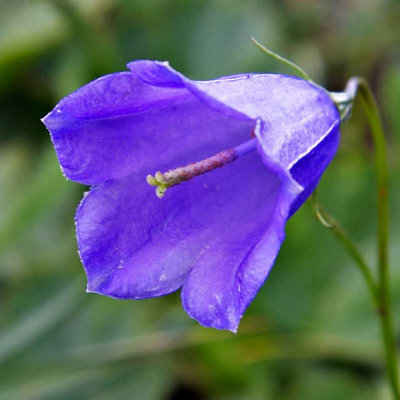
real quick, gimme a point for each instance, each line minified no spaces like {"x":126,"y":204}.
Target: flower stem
{"x":329,"y":222}
{"x":385,"y":310}
{"x":380,"y":291}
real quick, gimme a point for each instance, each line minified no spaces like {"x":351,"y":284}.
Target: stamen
{"x":163,"y":181}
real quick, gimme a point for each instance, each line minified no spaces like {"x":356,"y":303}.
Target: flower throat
{"x":165,"y":180}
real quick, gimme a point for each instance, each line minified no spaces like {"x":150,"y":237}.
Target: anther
{"x":163,"y":181}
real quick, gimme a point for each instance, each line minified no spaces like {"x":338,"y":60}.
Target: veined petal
{"x":296,"y":114}
{"x":134,"y":245}
{"x":307,"y":170}
{"x":217,"y":235}
{"x":118,"y":124}
{"x":218,"y":290}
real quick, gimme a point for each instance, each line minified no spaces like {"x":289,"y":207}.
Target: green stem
{"x":329,"y":222}
{"x":381,"y":290}
{"x":359,"y":85}
{"x":298,"y":70}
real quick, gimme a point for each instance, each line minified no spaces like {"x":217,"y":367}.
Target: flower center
{"x":165,"y":180}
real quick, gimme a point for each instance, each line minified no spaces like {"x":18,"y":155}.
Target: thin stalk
{"x":298,"y":70}
{"x":380,"y":291}
{"x":329,"y":222}
{"x":359,"y":85}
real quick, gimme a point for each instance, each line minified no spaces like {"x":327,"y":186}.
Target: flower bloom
{"x":265,"y":140}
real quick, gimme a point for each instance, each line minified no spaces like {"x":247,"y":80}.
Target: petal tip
{"x":90,"y":287}
{"x":214,"y":317}
{"x":156,"y":73}
{"x":46,"y":120}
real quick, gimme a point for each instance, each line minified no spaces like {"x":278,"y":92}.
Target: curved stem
{"x":359,"y":85}
{"x":329,"y":222}
{"x":381,"y":290}
{"x":298,"y":70}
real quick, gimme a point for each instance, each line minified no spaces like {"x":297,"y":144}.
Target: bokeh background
{"x":311,"y":333}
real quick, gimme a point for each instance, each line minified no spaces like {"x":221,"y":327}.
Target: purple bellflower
{"x":217,"y":235}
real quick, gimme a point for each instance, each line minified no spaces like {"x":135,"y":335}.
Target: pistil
{"x":163,"y":181}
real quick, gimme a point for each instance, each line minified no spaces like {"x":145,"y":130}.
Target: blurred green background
{"x":311,"y":332}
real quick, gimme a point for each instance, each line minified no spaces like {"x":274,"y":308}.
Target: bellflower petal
{"x":107,"y":129}
{"x":150,"y":245}
{"x":218,"y":235}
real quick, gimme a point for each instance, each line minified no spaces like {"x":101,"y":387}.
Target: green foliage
{"x":311,"y":333}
